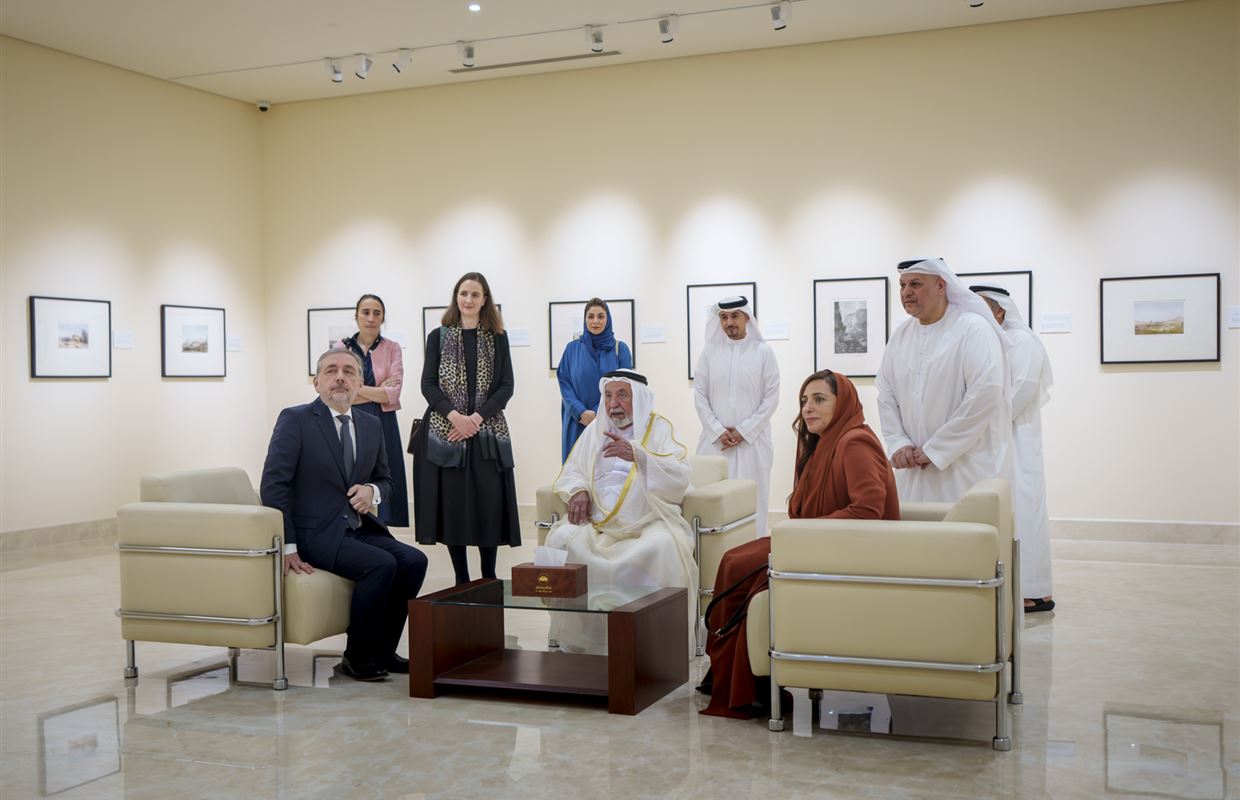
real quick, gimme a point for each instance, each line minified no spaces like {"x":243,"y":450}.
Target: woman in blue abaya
{"x":585,"y":360}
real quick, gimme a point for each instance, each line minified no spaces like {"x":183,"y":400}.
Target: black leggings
{"x":460,"y":565}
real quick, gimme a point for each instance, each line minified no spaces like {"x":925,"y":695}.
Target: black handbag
{"x":413,"y":435}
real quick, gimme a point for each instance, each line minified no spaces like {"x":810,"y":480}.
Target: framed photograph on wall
{"x":78,"y":745}
{"x":851,"y":325}
{"x":325,"y":327}
{"x":192,"y":341}
{"x":70,"y":338}
{"x":1019,"y":284}
{"x":1160,"y":319}
{"x":699,"y":297}
{"x":566,"y":320}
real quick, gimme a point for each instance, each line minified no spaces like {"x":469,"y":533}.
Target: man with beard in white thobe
{"x":942,"y":388}
{"x":623,"y":484}
{"x":736,"y":390}
{"x":1031,"y":382}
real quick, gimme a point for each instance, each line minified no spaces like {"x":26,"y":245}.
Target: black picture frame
{"x":555,"y":346}
{"x":1016,"y":281}
{"x":1199,"y":319}
{"x":706,"y":292}
{"x":866,"y":366}
{"x":187,"y":361}
{"x":45,"y":313}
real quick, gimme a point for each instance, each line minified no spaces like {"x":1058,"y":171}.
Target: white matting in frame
{"x":851,"y":325}
{"x":1019,"y":284}
{"x":1160,"y":319}
{"x":566,"y":321}
{"x":192,"y":340}
{"x":699,"y":298}
{"x":325,"y":327}
{"x":70,"y":338}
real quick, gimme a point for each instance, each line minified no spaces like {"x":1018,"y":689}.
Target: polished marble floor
{"x":1132,"y":690}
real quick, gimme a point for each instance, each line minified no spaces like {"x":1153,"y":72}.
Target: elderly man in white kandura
{"x":623,"y":483}
{"x":1031,"y":382}
{"x":943,"y":388}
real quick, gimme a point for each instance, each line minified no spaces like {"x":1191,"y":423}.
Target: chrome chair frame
{"x":276,"y":551}
{"x":1006,"y":692}
{"x":703,"y":590}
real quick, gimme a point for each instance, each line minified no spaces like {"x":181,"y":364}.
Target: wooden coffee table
{"x":456,"y":638}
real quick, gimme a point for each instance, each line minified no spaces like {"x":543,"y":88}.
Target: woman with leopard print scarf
{"x":463,"y":485}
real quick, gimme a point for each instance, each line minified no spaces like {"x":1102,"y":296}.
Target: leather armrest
{"x":239,"y":527}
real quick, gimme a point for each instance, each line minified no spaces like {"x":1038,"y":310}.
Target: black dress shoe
{"x":398,"y":663}
{"x":362,"y":672}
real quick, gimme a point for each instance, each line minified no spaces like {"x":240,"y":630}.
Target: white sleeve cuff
{"x":290,"y":549}
{"x":378,"y":498}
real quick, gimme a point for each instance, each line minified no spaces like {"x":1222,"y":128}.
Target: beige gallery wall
{"x":119,"y":187}
{"x":1078,"y":147}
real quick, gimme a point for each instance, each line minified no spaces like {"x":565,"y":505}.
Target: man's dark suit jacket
{"x":304,"y":478}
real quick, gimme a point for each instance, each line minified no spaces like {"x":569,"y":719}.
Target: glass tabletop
{"x":598,"y":600}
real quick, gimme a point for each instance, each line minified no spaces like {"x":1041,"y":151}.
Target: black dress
{"x":475,"y":504}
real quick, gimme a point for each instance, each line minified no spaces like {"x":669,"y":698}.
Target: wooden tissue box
{"x":566,"y":581}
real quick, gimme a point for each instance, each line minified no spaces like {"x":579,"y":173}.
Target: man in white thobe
{"x":1031,"y":382}
{"x":942,"y":388}
{"x":736,"y":390}
{"x":623,"y":483}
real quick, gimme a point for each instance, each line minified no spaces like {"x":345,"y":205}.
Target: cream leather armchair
{"x":927,"y":606}
{"x":722,"y":512}
{"x":201,"y":562}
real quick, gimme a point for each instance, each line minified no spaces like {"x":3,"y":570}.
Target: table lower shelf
{"x":532,"y":671}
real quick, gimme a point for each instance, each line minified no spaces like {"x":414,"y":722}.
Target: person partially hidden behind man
{"x":326,"y":469}
{"x":623,"y":484}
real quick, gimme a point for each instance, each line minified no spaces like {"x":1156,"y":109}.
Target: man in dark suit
{"x":326,"y":468}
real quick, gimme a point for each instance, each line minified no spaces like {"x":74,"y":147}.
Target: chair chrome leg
{"x":776,"y":722}
{"x":1002,"y":743}
{"x":1016,"y":696}
{"x":281,"y":681}
{"x":233,"y":654}
{"x":552,"y":643}
{"x":131,"y":666}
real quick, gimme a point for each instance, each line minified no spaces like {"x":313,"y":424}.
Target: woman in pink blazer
{"x":383,"y":374}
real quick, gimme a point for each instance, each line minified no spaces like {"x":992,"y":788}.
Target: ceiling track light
{"x":976,"y":3}
{"x":779,"y":15}
{"x":363,"y":65}
{"x":594,"y":38}
{"x":404,"y":57}
{"x":668,"y":28}
{"x":333,"y":69}
{"x":466,"y":51}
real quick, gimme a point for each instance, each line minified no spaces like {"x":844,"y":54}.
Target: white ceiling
{"x":274,"y":49}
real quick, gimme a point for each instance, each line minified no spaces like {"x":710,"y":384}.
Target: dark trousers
{"x":386,"y":575}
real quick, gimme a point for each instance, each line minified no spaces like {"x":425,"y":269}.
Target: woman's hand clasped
{"x":463,"y":427}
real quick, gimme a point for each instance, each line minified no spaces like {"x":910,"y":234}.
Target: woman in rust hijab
{"x":841,"y":472}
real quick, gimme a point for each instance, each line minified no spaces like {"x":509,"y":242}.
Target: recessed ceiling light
{"x":475,"y":7}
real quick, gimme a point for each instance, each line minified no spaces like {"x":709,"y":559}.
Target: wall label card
{"x":1055,"y":322}
{"x":653,"y":333}
{"x":776,"y":330}
{"x":235,"y":344}
{"x":518,"y":337}
{"x":122,"y":340}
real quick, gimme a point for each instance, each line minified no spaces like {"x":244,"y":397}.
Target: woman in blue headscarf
{"x":585,"y":360}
